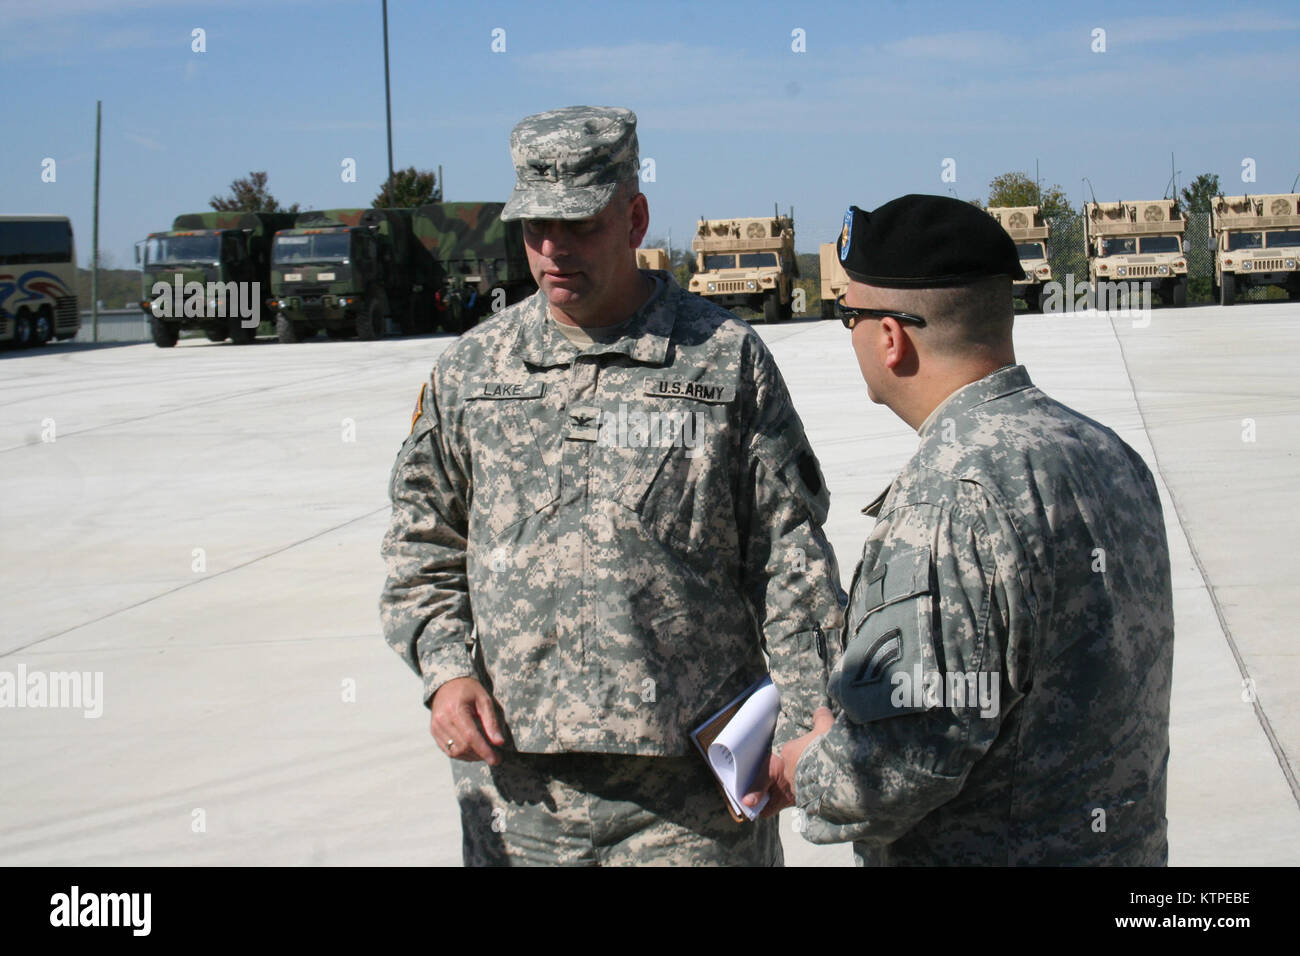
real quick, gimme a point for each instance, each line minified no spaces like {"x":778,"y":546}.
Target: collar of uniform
{"x":1005,"y":381}
{"x":873,"y":509}
{"x":644,"y":340}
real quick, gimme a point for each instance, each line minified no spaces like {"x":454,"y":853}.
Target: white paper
{"x":737,"y":753}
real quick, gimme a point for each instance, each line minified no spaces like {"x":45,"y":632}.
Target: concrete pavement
{"x":201,"y":525}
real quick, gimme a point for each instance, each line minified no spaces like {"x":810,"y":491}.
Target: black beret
{"x":925,"y":241}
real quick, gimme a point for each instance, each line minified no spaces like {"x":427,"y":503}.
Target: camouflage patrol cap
{"x":568,"y":162}
{"x":924,"y":242}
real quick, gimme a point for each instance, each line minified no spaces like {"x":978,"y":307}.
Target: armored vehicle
{"x":350,"y":272}
{"x":479,"y":264}
{"x":1138,"y":242}
{"x":1030,"y":232}
{"x":216,"y":266}
{"x":747,"y":262}
{"x":835,"y":281}
{"x":1257,"y":243}
{"x":653,"y":259}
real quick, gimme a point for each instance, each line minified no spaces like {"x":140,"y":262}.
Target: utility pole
{"x":94,"y":248}
{"x":388,"y":108}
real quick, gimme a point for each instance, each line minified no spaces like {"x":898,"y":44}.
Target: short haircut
{"x":961,"y":319}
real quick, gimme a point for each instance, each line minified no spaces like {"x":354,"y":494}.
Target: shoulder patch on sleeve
{"x":419,"y":407}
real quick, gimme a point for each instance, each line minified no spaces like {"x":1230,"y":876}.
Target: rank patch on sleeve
{"x":683,"y":388}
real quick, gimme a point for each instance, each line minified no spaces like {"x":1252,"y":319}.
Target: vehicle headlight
{"x":1290,"y":263}
{"x":1247,"y":265}
{"x":751,"y":285}
{"x":712,"y":287}
{"x":1163,"y":270}
{"x":1121,"y":271}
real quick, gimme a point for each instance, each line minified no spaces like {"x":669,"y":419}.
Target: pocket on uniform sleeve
{"x":889,"y":666}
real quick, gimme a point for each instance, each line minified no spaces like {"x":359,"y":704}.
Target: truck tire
{"x":1033,"y":300}
{"x":1180,"y":292}
{"x":828,"y":309}
{"x":216,"y":334}
{"x":787,"y":311}
{"x":771,"y":308}
{"x":1227,"y":289}
{"x":287,"y":330}
{"x":164,"y":333}
{"x":238,"y":334}
{"x":370,"y":323}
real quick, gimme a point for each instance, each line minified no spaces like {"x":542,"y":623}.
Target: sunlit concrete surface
{"x":201,"y":526}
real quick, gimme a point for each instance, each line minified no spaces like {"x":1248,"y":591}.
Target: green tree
{"x":1197,"y":196}
{"x":1017,"y":189}
{"x":409,"y":188}
{"x":249,"y":195}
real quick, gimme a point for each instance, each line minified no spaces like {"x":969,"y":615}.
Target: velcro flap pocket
{"x":889,"y":659}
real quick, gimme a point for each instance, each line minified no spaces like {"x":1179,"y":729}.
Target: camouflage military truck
{"x":478,"y":261}
{"x":1138,"y":242}
{"x":225,"y":252}
{"x":835,"y":281}
{"x":1257,"y":243}
{"x":351,"y":272}
{"x":1029,"y":231}
{"x":653,"y":259}
{"x":747,"y":262}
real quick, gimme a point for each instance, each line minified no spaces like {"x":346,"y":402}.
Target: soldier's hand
{"x":463,"y":721}
{"x":770,"y":779}
{"x":778,"y":777}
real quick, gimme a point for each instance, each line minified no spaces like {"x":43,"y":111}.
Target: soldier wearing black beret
{"x":1003,"y":695}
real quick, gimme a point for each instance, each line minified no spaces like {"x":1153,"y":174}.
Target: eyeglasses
{"x":850,"y":316}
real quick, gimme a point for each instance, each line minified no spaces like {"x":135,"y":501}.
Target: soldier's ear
{"x":638,"y":220}
{"x":895,"y":346}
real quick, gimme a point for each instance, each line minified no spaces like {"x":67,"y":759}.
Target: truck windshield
{"x":1029,"y":250}
{"x":163,"y":249}
{"x":1158,"y":244}
{"x":755,"y":260}
{"x":1118,"y":247}
{"x":319,"y":247}
{"x":1245,"y":240}
{"x":719,"y":261}
{"x":1283,"y":237}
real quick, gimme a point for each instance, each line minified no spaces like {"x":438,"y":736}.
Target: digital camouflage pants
{"x":603,"y":810}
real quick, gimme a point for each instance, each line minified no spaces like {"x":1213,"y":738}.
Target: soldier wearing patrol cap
{"x":1003,"y":696}
{"x":606,"y":524}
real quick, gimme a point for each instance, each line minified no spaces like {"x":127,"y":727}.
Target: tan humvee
{"x":747,"y":262}
{"x":1030,"y":232}
{"x":1138,"y":242}
{"x":1256,"y":242}
{"x":652,"y":259}
{"x":835,"y":281}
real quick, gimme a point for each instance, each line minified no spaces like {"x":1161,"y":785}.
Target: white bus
{"x":38,"y":280}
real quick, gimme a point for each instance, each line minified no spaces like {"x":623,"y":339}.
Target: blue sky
{"x":734,"y":119}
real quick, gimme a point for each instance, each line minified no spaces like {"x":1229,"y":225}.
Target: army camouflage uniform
{"x":1022,"y":544}
{"x":609,"y":538}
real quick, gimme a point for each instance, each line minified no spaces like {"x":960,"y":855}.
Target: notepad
{"x":737,"y":740}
